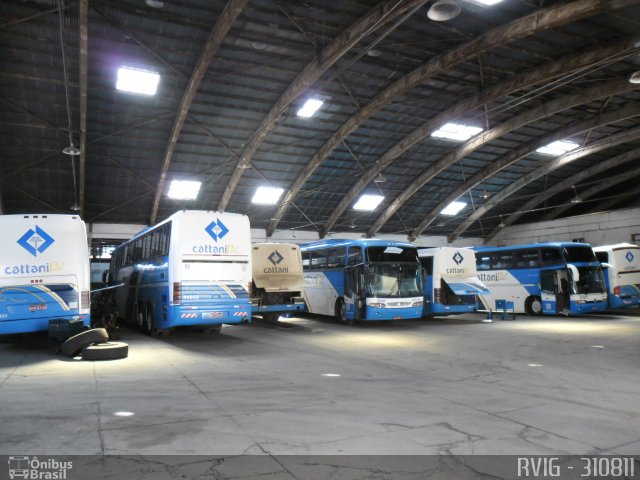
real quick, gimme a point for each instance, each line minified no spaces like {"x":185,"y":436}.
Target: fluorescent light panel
{"x":487,"y":2}
{"x":267,"y":195}
{"x":184,"y":189}
{"x":453,"y":208}
{"x":368,"y":202}
{"x":310,"y":107}
{"x":456,"y":131}
{"x":558,"y":148}
{"x":134,"y":80}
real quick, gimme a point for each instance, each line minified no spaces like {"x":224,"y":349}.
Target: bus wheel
{"x":340,"y":313}
{"x":140,"y":317}
{"x":150,"y":326}
{"x":533,"y":306}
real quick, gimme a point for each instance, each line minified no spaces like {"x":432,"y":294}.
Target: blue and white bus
{"x":362,"y":279}
{"x":192,"y":269}
{"x":560,"y":278}
{"x":44,"y":271}
{"x":451,"y":285}
{"x":621,"y":264}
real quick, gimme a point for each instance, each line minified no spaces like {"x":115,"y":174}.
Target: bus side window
{"x":335,"y":257}
{"x":482,"y":261}
{"x":427,"y":264}
{"x":305,"y":260}
{"x":355,"y":255}
{"x":318,"y":259}
{"x":603,"y":257}
{"x":550,"y":256}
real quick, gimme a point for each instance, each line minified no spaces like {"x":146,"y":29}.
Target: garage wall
{"x":602,"y":228}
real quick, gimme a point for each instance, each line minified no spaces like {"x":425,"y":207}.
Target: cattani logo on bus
{"x":217,"y":231}
{"x":35,"y":241}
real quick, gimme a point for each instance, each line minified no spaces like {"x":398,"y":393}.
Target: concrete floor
{"x":530,"y":386}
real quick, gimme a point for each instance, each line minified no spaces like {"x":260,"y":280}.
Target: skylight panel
{"x":267,"y":195}
{"x":559,"y":147}
{"x":453,"y":208}
{"x":368,"y":202}
{"x":184,"y":189}
{"x":310,"y":107}
{"x":134,"y":80}
{"x":456,"y":131}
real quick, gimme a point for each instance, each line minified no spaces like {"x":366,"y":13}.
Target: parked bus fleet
{"x":199,"y":269}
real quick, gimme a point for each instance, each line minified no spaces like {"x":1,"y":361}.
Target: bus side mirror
{"x":575,"y":275}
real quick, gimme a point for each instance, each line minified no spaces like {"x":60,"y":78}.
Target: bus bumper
{"x":375,"y":313}
{"x":288,"y":308}
{"x":191,"y":316}
{"x":29,"y":325}
{"x":580,"y":308}
{"x":443,"y":310}
{"x":616,"y":301}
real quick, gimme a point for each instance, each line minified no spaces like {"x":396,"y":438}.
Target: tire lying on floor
{"x":74,"y":345}
{"x":105,"y":351}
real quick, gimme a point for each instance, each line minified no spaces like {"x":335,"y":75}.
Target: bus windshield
{"x":591,"y":280}
{"x":392,"y":254}
{"x":579,"y":254}
{"x":393,"y":280}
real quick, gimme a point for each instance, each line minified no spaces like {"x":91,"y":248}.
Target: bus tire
{"x":73,"y":345}
{"x":533,"y":306}
{"x":270,"y":317}
{"x":150,"y":324}
{"x":139,"y":317}
{"x":106,"y":351}
{"x":340,"y":313}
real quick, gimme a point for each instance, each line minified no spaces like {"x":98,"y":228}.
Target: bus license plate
{"x":213,"y":315}
{"x":37,"y":307}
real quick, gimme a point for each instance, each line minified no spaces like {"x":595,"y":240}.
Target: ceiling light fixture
{"x":485,"y":195}
{"x":154,"y":3}
{"x":71,"y":150}
{"x":456,"y":131}
{"x":635,"y":77}
{"x":576,"y":198}
{"x":258,"y":45}
{"x":486,"y":3}
{"x":444,"y":10}
{"x":453,"y":208}
{"x":501,"y":224}
{"x":380,"y":179}
{"x":374,"y":53}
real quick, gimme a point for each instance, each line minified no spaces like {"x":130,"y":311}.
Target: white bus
{"x":44,"y":271}
{"x":278,"y":282}
{"x":451,"y":285}
{"x":621,"y":265}
{"x":192,"y":269}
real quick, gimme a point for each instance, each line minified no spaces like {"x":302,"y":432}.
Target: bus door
{"x":354,"y":294}
{"x":555,"y":291}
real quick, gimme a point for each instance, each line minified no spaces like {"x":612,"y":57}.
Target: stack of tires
{"x":94,"y":344}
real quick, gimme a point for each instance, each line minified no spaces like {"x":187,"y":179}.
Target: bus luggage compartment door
{"x":354,"y":295}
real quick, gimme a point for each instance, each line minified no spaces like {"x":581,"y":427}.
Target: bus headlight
{"x":377,"y":305}
{"x":416,"y":304}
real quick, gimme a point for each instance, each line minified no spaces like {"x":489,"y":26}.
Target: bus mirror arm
{"x":606,"y":265}
{"x":575,"y":275}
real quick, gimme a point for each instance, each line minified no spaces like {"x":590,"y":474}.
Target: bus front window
{"x":591,"y":280}
{"x":393,"y":280}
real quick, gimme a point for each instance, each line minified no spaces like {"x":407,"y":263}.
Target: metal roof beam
{"x":83,"y":13}
{"x":563,"y":66}
{"x":546,"y":110}
{"x":498,"y":37}
{"x":226,"y":19}
{"x":544,"y":168}
{"x":613,"y":200}
{"x":588,"y":193}
{"x":521,"y":152}
{"x":380,"y":15}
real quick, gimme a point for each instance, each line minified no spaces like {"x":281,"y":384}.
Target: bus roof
{"x":532,"y":245}
{"x":179,"y":213}
{"x":617,"y":246}
{"x":364,"y":242}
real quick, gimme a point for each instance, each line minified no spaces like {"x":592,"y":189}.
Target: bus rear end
{"x":44,"y":272}
{"x":211,"y":275}
{"x":622,"y":273}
